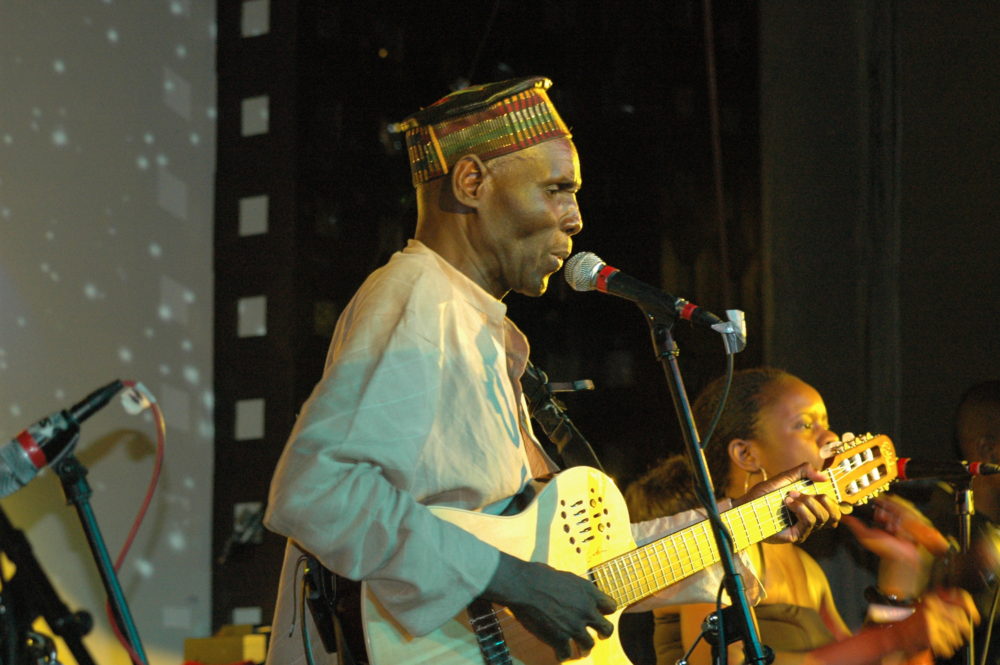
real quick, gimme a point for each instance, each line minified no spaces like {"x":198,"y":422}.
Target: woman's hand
{"x":905,"y":541}
{"x":941,"y":623}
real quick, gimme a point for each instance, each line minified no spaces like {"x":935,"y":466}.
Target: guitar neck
{"x":650,"y":568}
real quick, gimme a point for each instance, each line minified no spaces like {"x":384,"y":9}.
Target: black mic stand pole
{"x":74,"y":481}
{"x":964,"y":510}
{"x":661,"y":321}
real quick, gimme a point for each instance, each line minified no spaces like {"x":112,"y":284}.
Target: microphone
{"x":46,"y":441}
{"x":585,"y":271}
{"x":949,"y":470}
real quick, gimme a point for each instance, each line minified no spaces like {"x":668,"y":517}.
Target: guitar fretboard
{"x":650,"y":568}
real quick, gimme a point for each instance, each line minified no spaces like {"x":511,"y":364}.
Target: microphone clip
{"x":733,"y":331}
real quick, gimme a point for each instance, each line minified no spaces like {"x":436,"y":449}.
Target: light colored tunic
{"x":419,"y":405}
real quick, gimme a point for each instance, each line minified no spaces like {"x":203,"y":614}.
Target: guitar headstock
{"x":861,"y":467}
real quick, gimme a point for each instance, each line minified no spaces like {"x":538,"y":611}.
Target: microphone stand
{"x":78,"y":492}
{"x":965,"y":509}
{"x":661,"y":320}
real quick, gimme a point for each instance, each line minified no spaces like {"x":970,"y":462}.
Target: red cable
{"x":161,"y":429}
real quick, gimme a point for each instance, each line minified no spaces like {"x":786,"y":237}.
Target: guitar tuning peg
{"x":830,"y":449}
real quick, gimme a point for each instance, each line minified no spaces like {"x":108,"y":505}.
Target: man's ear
{"x":467,"y":176}
{"x":743,"y":455}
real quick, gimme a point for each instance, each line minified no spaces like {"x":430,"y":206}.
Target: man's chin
{"x":534,"y":290}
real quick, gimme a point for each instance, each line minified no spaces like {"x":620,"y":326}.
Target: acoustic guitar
{"x":579,"y":523}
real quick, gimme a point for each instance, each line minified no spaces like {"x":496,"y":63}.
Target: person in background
{"x":977,"y":438}
{"x":773,"y":420}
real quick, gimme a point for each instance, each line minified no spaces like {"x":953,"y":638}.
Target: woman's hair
{"x":667,"y":488}
{"x":751,"y":392}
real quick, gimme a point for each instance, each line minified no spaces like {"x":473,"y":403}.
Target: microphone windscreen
{"x":581,"y":271}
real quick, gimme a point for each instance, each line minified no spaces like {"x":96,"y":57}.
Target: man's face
{"x":529,"y":216}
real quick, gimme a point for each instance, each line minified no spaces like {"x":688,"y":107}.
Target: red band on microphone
{"x":687,"y":311}
{"x":974,"y":468}
{"x":31,"y":447}
{"x":603,"y":276}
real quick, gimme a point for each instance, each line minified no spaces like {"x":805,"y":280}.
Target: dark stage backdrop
{"x":856,"y":151}
{"x":879,"y":170}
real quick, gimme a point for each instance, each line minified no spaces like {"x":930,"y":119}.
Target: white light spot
{"x":194,"y":138}
{"x":22,"y":322}
{"x":125,"y":354}
{"x":169,"y":85}
{"x":54,"y":275}
{"x":149,"y":333}
{"x":112,"y":35}
{"x":34,"y":126}
{"x":50,"y":235}
{"x":155,"y":250}
{"x":5,"y":212}
{"x":165,"y":312}
{"x":188,"y":297}
{"x":211,"y":113}
{"x":91,"y":292}
{"x":59,"y":136}
{"x":177,"y":541}
{"x":208,"y":399}
{"x":45,"y":267}
{"x":181,"y":51}
{"x":165,"y":370}
{"x":142,"y":162}
{"x":8,"y":139}
{"x":188,"y":482}
{"x":59,"y":67}
{"x":206,"y":428}
{"x":144,"y":568}
{"x":162,"y":160}
{"x":186,"y":345}
{"x":15,"y":410}
{"x":191,"y":374}
{"x":112,"y":231}
{"x":60,"y":394}
{"x":148,"y":138}
{"x":176,"y":8}
{"x":36,"y":112}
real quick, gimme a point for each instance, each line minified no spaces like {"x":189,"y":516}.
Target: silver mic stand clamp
{"x":733,"y":331}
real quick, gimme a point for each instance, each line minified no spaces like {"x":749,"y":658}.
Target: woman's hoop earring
{"x":746,"y":481}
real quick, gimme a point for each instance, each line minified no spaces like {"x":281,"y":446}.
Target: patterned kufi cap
{"x":487,"y":120}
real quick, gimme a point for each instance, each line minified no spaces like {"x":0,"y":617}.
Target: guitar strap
{"x":572,"y":447}
{"x":335,"y":605}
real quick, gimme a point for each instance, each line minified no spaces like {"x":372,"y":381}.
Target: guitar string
{"x":776,"y":518}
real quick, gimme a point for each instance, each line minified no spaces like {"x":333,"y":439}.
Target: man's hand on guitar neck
{"x":812,"y":511}
{"x":556,"y":606}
